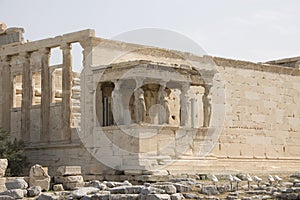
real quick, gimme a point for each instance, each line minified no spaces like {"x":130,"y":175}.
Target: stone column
{"x":184,"y":116}
{"x":206,"y":99}
{"x":46,"y":94}
{"x":7,"y":88}
{"x":66,"y":91}
{"x":26,"y":97}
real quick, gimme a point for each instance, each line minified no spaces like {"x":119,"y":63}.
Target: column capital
{"x":163,"y":83}
{"x":185,"y":87}
{"x":139,"y":82}
{"x":5,"y":58}
{"x":66,"y":46}
{"x":44,"y":50}
{"x":24,"y":55}
{"x":207,"y":88}
{"x":90,"y":42}
{"x":118,"y":83}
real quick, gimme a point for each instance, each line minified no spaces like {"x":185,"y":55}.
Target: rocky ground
{"x":68,"y":183}
{"x":174,"y":189}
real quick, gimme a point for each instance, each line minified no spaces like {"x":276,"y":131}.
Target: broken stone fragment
{"x":17,"y":183}
{"x":68,"y":179}
{"x":83,"y":191}
{"x":15,"y":193}
{"x":68,"y":170}
{"x":210,"y":190}
{"x":38,"y":176}
{"x":58,"y":187}
{"x":3,"y":166}
{"x":3,"y":27}
{"x":34,"y":191}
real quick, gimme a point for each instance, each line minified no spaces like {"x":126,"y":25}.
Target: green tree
{"x":14,"y":153}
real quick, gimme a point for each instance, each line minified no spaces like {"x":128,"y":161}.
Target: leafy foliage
{"x":14,"y":153}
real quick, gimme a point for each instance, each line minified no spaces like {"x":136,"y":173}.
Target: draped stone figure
{"x":206,"y":99}
{"x":164,"y":109}
{"x":139,"y":105}
{"x":117,"y":105}
{"x":184,"y":117}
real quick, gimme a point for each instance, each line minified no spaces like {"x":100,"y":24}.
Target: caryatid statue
{"x":117,"y":104}
{"x":184,"y":116}
{"x":206,"y":99}
{"x":164,"y":109}
{"x":139,"y":105}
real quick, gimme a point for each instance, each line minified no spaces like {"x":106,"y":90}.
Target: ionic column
{"x":184,"y":116}
{"x":26,"y":97}
{"x":7,"y":88}
{"x":66,"y":91}
{"x":46,"y":94}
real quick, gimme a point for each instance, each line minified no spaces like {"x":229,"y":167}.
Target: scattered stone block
{"x":34,"y":191}
{"x":15,"y":193}
{"x":177,"y":196}
{"x":2,"y":188}
{"x":3,"y":166}
{"x":17,"y":183}
{"x":2,"y":184}
{"x":296,"y":175}
{"x":38,"y":176}
{"x":68,"y":179}
{"x":124,"y":196}
{"x":182,"y":188}
{"x":156,"y":197}
{"x":289,"y":196}
{"x":68,"y":171}
{"x":126,"y":189}
{"x":112,"y":184}
{"x":148,"y":189}
{"x":48,"y":196}
{"x":210,"y":190}
{"x":70,"y":182}
{"x":169,"y":189}
{"x":73,"y":186}
{"x":97,"y":184}
{"x":100,"y":197}
{"x":58,"y":187}
{"x":287,"y":184}
{"x":83,"y":191}
{"x":6,"y":197}
{"x":191,"y":196}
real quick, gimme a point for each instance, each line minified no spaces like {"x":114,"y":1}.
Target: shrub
{"x":14,"y":153}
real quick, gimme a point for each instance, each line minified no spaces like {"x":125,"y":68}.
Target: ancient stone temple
{"x":136,"y":109}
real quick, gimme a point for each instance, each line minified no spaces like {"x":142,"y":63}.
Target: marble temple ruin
{"x":136,"y":109}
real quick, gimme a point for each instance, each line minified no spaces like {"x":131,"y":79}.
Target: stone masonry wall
{"x":262,"y":111}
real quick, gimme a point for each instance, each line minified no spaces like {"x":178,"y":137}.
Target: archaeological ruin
{"x":141,"y":110}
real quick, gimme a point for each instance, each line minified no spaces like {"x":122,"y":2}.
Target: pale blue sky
{"x":254,"y":30}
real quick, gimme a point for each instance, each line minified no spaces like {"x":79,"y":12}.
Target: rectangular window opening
{"x":17,"y":91}
{"x":36,"y":88}
{"x":57,"y":85}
